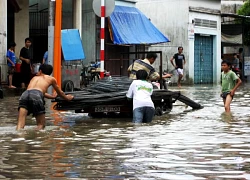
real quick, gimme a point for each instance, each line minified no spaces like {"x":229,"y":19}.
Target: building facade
{"x":194,"y":25}
{"x":14,"y":20}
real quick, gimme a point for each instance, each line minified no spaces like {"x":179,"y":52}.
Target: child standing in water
{"x":230,"y":82}
{"x":141,"y":90}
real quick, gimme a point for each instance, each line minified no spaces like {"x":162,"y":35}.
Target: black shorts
{"x":11,"y":70}
{"x":224,"y":95}
{"x":33,"y":101}
{"x":25,"y":77}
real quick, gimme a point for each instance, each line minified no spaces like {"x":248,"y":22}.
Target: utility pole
{"x":77,"y":16}
{"x":51,"y":27}
{"x":57,"y":42}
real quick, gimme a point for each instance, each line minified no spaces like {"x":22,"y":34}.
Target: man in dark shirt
{"x":179,"y":63}
{"x":25,"y":66}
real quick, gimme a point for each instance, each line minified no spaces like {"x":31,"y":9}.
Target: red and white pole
{"x":102,"y":52}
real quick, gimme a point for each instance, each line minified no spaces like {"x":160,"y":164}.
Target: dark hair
{"x":141,"y":74}
{"x":151,"y":55}
{"x":46,"y":69}
{"x":12,"y":44}
{"x":226,"y":62}
{"x":234,"y":54}
{"x":180,"y":47}
{"x":27,"y":39}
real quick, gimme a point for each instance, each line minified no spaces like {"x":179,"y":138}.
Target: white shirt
{"x":141,"y":92}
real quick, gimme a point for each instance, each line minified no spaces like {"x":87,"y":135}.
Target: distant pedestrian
{"x":25,"y":66}
{"x":11,"y":62}
{"x":141,"y":90}
{"x":230,"y":82}
{"x":180,"y":61}
{"x":45,"y":58}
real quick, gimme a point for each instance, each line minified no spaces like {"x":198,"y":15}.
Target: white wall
{"x":125,"y":3}
{"x":21,"y":25}
{"x":3,"y":39}
{"x":172,"y":18}
{"x":211,"y":4}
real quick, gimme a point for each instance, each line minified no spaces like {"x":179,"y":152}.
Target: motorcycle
{"x":91,"y":73}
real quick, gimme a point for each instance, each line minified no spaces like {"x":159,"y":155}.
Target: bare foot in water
{"x":179,"y":85}
{"x":12,"y":87}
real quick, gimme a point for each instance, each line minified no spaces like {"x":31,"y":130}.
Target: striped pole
{"x":102,"y":52}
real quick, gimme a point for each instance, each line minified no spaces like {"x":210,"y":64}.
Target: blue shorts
{"x":33,"y":101}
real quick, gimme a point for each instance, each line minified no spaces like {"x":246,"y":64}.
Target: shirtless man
{"x":32,"y":100}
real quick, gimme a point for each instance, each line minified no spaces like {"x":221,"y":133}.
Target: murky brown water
{"x":185,"y":144}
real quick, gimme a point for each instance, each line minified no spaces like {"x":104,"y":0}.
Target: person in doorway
{"x":11,"y":62}
{"x":146,"y":65}
{"x":140,"y":91}
{"x":180,"y":61}
{"x":32,"y":100}
{"x":25,"y":66}
{"x":45,"y":58}
{"x":229,"y":83}
{"x":236,"y":62}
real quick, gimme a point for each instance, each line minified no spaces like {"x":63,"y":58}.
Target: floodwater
{"x":183,"y":145}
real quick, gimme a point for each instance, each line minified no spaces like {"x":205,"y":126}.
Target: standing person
{"x":25,"y":66}
{"x":230,"y":82}
{"x":11,"y":62}
{"x":236,"y":62}
{"x":45,"y":58}
{"x":180,"y":61}
{"x":141,"y":90}
{"x":146,"y":65}
{"x":32,"y":100}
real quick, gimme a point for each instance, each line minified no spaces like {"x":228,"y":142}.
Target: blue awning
{"x":131,"y":26}
{"x":72,"y":45}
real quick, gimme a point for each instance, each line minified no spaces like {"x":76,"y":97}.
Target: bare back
{"x":41,"y":83}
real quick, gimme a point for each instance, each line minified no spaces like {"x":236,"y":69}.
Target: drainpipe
{"x":51,"y":27}
{"x":77,"y":17}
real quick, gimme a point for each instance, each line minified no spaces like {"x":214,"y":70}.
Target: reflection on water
{"x":185,"y":144}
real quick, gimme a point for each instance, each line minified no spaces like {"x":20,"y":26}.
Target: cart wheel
{"x":158,"y":111}
{"x":68,"y":86}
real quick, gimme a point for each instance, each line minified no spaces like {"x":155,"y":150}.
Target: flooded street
{"x":183,"y":145}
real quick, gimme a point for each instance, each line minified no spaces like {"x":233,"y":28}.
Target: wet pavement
{"x":183,"y":145}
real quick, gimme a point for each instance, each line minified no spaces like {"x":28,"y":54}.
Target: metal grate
{"x":205,"y":23}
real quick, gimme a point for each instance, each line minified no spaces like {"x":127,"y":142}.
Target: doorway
{"x":203,"y":59}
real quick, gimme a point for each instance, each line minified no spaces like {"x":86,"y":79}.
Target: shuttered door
{"x":203,"y":60}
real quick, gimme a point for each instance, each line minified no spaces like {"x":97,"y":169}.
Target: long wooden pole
{"x":57,"y":42}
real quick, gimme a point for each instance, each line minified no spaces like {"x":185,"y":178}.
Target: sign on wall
{"x":191,"y":31}
{"x":247,"y":66}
